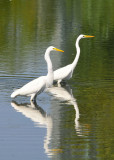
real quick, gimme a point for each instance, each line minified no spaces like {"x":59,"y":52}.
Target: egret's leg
{"x":33,"y":97}
{"x":59,"y":84}
{"x":59,"y":81}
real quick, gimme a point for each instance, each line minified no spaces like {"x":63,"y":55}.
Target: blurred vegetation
{"x":35,"y":23}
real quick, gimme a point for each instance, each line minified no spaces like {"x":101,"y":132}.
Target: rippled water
{"x":72,"y":121}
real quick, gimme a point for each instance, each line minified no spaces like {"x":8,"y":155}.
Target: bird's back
{"x":63,"y":73}
{"x":35,"y":86}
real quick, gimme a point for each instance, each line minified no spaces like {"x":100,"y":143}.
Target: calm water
{"x":77,"y":122}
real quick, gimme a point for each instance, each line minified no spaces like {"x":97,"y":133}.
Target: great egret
{"x":65,"y":73}
{"x":38,"y":85}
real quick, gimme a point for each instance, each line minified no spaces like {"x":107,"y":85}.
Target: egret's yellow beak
{"x":87,"y":36}
{"x":58,"y":50}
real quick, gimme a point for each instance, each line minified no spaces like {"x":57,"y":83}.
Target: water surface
{"x":67,"y":122}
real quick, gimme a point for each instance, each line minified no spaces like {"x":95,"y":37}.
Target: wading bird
{"x":65,"y":73}
{"x":38,"y":85}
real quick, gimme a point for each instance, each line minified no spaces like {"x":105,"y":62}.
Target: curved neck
{"x":77,"y":55}
{"x":49,"y":63}
{"x":49,"y":77}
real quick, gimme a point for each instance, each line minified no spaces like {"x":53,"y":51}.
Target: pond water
{"x":72,"y":121}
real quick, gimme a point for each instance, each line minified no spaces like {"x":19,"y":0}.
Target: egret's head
{"x":85,"y":36}
{"x":51,"y":48}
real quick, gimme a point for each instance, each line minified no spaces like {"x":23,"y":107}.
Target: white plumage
{"x":38,"y":85}
{"x":65,"y":73}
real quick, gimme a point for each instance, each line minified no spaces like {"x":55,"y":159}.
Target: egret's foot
{"x":63,"y":83}
{"x":33,"y":100}
{"x":33,"y":97}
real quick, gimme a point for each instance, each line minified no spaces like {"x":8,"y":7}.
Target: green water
{"x":52,"y":130}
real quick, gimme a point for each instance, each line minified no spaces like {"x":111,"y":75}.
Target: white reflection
{"x":65,"y":93}
{"x":40,"y":117}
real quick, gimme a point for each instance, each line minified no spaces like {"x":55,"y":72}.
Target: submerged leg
{"x":59,"y":81}
{"x":33,"y":97}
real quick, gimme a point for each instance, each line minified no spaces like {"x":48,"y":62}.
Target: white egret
{"x":38,"y":85}
{"x":65,"y":73}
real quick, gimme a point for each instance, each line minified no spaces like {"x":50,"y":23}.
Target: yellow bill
{"x":58,"y":50}
{"x":87,"y":36}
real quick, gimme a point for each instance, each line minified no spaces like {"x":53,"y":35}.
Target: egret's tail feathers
{"x":15,"y":93}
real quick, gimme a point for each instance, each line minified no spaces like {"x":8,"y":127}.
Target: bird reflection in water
{"x":64,"y":93}
{"x":40,"y":117}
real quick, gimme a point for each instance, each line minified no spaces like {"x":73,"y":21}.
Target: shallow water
{"x":73,"y":121}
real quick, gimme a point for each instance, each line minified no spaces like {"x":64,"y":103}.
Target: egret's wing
{"x":63,"y":73}
{"x":34,"y":86}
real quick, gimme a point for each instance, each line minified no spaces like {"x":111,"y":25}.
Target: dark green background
{"x":27,"y":28}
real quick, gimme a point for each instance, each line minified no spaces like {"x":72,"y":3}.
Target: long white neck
{"x":77,"y":55}
{"x":49,"y":63}
{"x":49,"y":69}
